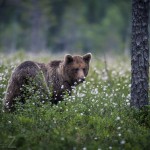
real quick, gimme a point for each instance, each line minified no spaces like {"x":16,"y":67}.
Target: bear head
{"x":75,"y":68}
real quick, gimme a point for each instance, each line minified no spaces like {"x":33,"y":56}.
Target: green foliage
{"x":96,"y":116}
{"x":60,"y":25}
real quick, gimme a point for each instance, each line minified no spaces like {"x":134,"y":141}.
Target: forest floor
{"x":96,"y":117}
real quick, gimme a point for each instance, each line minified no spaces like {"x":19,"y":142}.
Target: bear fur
{"x":59,"y":76}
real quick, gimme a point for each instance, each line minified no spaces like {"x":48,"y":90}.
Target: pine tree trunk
{"x":139,"y":53}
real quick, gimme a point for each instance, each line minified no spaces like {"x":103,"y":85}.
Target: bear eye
{"x":84,"y":69}
{"x":76,"y":69}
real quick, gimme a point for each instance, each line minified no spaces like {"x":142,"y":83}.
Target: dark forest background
{"x":65,"y":25}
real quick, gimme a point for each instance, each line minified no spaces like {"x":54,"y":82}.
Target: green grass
{"x":96,"y":117}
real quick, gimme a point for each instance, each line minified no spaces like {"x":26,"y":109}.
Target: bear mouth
{"x":81,"y":80}
{"x":78,"y":81}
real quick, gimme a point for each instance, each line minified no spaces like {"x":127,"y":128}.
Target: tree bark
{"x":139,"y":53}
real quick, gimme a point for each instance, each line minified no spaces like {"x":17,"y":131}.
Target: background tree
{"x":140,"y":53}
{"x":60,"y":25}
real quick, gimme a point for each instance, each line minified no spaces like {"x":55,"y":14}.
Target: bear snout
{"x":81,"y":79}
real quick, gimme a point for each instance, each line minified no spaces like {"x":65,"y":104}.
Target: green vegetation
{"x":96,"y":117}
{"x":65,"y":25}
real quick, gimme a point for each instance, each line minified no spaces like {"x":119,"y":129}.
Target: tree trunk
{"x":139,"y":53}
{"x":38,"y":27}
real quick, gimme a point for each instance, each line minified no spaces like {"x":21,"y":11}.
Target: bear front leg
{"x":12,"y":92}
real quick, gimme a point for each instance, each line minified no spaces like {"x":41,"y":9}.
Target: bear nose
{"x":82,"y":79}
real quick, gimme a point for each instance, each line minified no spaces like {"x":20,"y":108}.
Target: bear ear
{"x":87,"y":57}
{"x":68,"y":59}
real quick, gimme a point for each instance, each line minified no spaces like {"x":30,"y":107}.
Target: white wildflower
{"x":118,"y":118}
{"x":123,"y":142}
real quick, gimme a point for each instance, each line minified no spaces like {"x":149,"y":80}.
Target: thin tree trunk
{"x":38,"y":28}
{"x":139,"y":53}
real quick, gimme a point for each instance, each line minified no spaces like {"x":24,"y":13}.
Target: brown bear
{"x":57,"y":77}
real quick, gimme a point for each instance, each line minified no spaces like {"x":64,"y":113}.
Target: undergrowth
{"x":96,"y":117}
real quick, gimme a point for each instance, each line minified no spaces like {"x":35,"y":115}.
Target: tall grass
{"x":96,"y":117}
